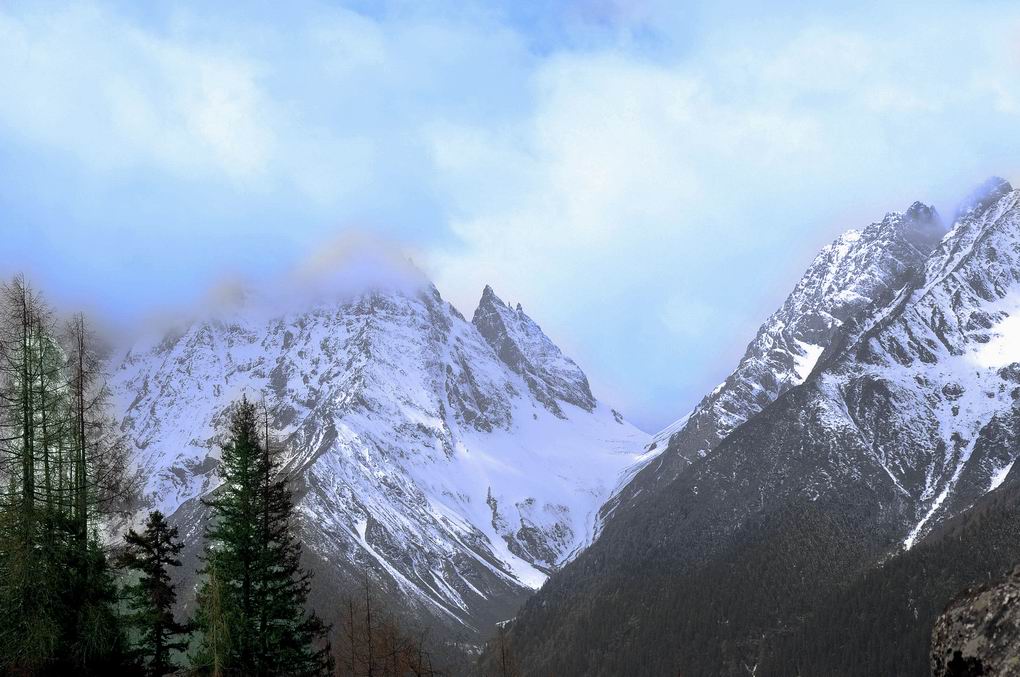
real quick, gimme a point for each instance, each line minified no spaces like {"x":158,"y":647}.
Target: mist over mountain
{"x":810,"y":515}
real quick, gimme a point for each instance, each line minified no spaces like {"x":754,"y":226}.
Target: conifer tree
{"x":254,"y":562}
{"x":151,"y":598}
{"x":93,"y":641}
{"x":291,"y":641}
{"x":31,"y":379}
{"x":58,"y":469}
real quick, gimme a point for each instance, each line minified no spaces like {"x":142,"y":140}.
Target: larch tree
{"x":30,"y":630}
{"x":56,"y":593}
{"x":373,"y":643}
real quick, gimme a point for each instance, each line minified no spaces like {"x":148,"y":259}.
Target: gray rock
{"x":979,"y":632}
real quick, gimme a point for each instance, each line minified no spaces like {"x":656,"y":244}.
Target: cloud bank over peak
{"x":650,"y":180}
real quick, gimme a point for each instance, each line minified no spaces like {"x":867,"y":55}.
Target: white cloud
{"x":652,"y":180}
{"x":644,"y":177}
{"x":81,"y":81}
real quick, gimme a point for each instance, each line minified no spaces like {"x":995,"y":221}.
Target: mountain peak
{"x":922,"y":226}
{"x":985,"y":195}
{"x":920,"y":210}
{"x":488,"y":294}
{"x":491,"y":299}
{"x":519,"y":343}
{"x":364,"y":393}
{"x":850,"y":279}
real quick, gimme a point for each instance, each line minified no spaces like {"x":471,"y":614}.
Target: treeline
{"x":63,"y":473}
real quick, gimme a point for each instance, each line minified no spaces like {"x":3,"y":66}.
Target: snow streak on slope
{"x":416,"y":449}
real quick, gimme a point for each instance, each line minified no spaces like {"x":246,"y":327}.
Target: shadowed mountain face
{"x":881,"y":623}
{"x":712,"y":560}
{"x":457,"y":466}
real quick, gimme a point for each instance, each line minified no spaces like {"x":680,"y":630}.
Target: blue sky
{"x":648,"y":179}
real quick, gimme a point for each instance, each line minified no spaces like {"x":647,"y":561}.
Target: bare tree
{"x":507,"y":664}
{"x":98,"y":456}
{"x":373,"y":642}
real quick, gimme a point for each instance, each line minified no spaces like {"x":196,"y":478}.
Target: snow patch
{"x":807,"y":359}
{"x":1004,"y":347}
{"x":999,"y":476}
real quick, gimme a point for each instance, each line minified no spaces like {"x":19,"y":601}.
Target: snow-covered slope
{"x":942,"y":370}
{"x":460,"y":466}
{"x":851,"y":279}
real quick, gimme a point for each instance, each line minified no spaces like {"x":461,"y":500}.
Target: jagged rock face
{"x":521,"y":345}
{"x":417,"y":453}
{"x":911,"y":414}
{"x":916,"y":403}
{"x":852,"y":277}
{"x":918,"y":370}
{"x":929,"y":388}
{"x":979,"y":633}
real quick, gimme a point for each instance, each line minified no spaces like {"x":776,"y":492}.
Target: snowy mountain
{"x":917,"y":404}
{"x":881,"y":400}
{"x":933,"y":387}
{"x":459,"y":462}
{"x":849,"y":280}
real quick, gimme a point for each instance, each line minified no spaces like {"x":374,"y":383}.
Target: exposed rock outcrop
{"x":979,"y":632}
